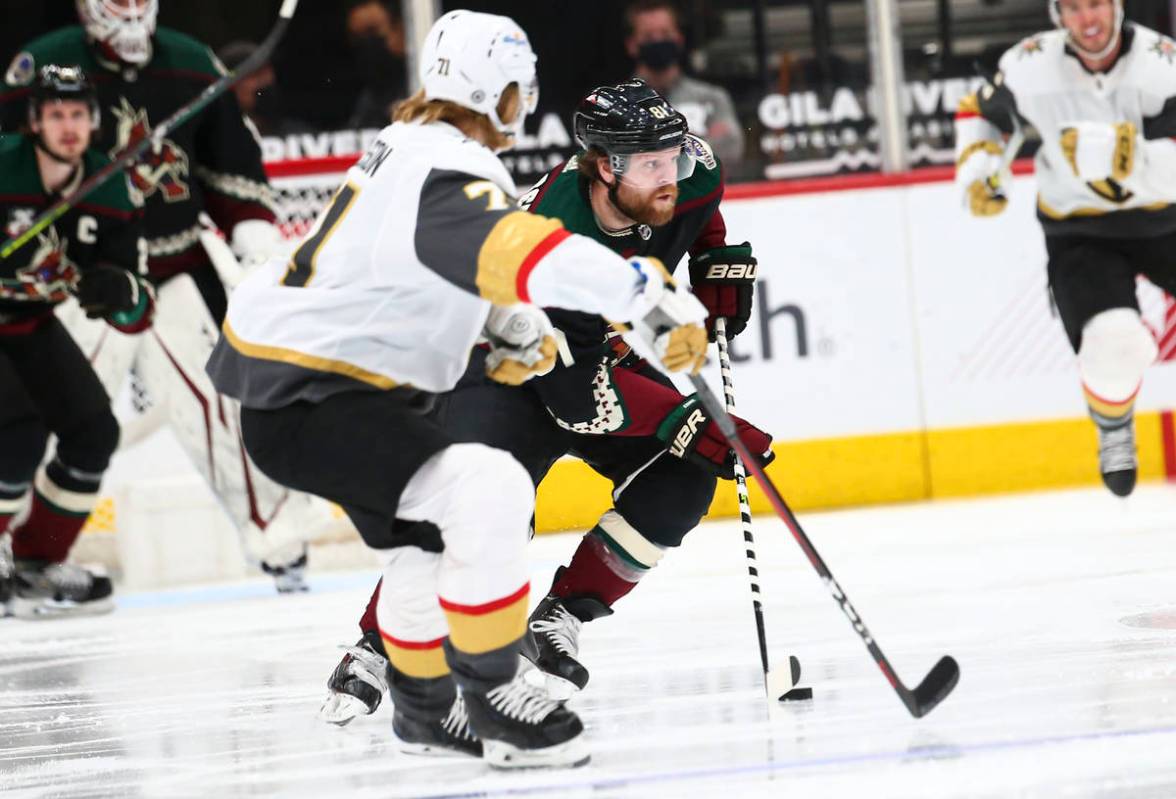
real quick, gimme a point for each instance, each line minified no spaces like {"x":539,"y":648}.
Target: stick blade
{"x":935,"y":687}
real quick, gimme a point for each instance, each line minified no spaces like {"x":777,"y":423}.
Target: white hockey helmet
{"x":122,"y":28}
{"x":1055,"y":13}
{"x":470,"y":58}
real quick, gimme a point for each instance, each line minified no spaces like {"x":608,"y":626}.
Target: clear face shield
{"x":653,"y":169}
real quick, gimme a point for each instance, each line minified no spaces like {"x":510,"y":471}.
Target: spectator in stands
{"x":375,"y":32}
{"x":656,"y":43}
{"x":258,"y":93}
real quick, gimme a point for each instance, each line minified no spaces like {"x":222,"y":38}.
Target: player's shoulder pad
{"x":64,"y":46}
{"x":175,"y":50}
{"x":708,"y":171}
{"x":1033,"y":64}
{"x":1155,"y":57}
{"x":115,"y":194}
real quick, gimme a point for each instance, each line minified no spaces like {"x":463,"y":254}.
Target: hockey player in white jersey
{"x":335,"y":356}
{"x":1102,"y":93}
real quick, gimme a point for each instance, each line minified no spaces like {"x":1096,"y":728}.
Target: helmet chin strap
{"x":1056,"y":13}
{"x":39,"y":143}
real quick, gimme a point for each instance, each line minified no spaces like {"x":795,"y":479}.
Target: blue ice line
{"x":938,"y":752}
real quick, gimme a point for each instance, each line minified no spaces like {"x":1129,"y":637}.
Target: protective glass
{"x":650,"y":170}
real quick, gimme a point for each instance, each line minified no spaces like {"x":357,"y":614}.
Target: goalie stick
{"x":778,"y":685}
{"x":942,"y":678}
{"x":133,"y":151}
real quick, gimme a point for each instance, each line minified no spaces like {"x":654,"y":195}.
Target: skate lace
{"x":520,"y":701}
{"x":457,"y":723}
{"x":370,"y":663}
{"x":1116,"y":448}
{"x":561,"y":628}
{"x":70,"y":580}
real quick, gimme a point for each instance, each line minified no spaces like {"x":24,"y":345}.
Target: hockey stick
{"x":942,"y":678}
{"x":133,"y":151}
{"x":778,"y":686}
{"x":1000,"y":181}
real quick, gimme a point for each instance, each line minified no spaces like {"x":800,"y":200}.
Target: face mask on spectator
{"x":659,"y":54}
{"x":379,"y":68}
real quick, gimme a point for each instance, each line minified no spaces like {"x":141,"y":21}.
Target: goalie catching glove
{"x":522,"y":343}
{"x":691,"y":434}
{"x":723,"y":279}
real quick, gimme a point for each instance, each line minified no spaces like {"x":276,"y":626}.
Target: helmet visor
{"x":653,"y":169}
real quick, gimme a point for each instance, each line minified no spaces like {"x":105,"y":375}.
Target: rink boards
{"x":900,"y":350}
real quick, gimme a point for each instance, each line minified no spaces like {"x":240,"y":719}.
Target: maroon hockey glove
{"x":690,"y":434}
{"x":723,"y":279}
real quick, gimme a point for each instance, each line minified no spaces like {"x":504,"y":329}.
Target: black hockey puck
{"x":797,"y":695}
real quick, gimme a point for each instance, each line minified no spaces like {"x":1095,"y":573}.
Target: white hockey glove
{"x":522,"y":343}
{"x":254,"y":242}
{"x":981,"y":179}
{"x":672,"y":333}
{"x":1098,"y":150}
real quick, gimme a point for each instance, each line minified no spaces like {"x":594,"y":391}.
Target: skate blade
{"x":47,"y":609}
{"x":557,"y":688}
{"x":340,"y":709}
{"x":432,"y":750}
{"x":570,"y":754}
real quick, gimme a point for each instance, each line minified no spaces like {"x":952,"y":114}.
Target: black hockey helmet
{"x":628,"y":119}
{"x":56,"y":82}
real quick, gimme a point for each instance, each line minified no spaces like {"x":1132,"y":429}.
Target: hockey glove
{"x":255,"y":241}
{"x":980,"y":179}
{"x":671,"y":334}
{"x":104,"y":290}
{"x":690,"y":434}
{"x":1097,"y":150}
{"x":723,"y":279}
{"x":522,"y":343}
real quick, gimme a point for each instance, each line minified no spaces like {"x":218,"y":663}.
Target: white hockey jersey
{"x":392,"y":285}
{"x":1044,"y":83}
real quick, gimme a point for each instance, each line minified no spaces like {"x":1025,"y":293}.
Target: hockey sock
{"x":367,"y":622}
{"x":62,"y":500}
{"x":1107,"y":412}
{"x":483,"y":644}
{"x":609,"y":562}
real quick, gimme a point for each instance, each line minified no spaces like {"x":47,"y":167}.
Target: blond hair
{"x":419,"y":108}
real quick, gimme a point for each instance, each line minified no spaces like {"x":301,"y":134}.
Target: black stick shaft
{"x":727,"y":428}
{"x":135,"y":150}
{"x":744,"y":506}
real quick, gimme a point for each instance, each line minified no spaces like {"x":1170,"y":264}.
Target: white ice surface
{"x":1061,"y":609}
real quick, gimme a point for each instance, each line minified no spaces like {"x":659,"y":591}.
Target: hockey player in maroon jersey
{"x":94,"y":252}
{"x":207,"y":169}
{"x":641,"y":186}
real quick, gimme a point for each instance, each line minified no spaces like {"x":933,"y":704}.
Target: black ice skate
{"x":552,"y":641}
{"x":289,"y":578}
{"x":43,"y":590}
{"x":358,"y":683}
{"x":1116,"y":454}
{"x":444,"y":738}
{"x":521,"y":727}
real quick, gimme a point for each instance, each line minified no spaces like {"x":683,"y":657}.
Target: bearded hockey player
{"x":336,"y":354}
{"x":1102,"y":94}
{"x":93,"y":252}
{"x":208,"y":168}
{"x":641,"y":186}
